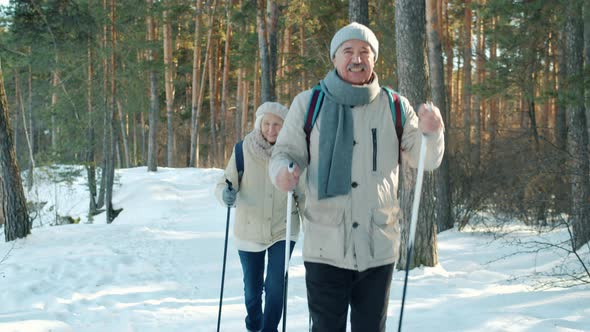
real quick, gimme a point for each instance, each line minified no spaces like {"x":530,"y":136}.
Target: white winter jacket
{"x":359,"y":230}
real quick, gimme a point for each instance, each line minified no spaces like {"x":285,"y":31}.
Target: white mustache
{"x":356,"y":66}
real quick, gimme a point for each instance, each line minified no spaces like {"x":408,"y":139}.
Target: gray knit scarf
{"x":337,"y":132}
{"x":258,"y":145}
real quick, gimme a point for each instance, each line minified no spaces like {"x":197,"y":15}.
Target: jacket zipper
{"x":374,"y":133}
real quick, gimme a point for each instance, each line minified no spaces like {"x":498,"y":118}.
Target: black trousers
{"x":331,"y":290}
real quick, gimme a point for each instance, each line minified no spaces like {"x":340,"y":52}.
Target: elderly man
{"x":351,"y":218}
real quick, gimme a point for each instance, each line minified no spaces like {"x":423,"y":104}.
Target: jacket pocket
{"x":385,"y":233}
{"x":324,"y":234}
{"x":248,"y":224}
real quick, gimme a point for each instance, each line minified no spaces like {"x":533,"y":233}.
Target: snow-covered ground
{"x":158,"y":266}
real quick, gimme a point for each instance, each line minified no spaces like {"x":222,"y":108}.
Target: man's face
{"x":354,"y":61}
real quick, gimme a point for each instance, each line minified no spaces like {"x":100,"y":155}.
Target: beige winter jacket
{"x":261,"y":209}
{"x":360,"y":230}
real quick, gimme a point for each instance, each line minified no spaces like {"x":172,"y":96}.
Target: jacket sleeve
{"x":412,"y":139}
{"x":231,"y":174}
{"x":291,"y":144}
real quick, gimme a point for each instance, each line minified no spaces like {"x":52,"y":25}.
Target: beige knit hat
{"x":272,"y":108}
{"x":354,"y":31}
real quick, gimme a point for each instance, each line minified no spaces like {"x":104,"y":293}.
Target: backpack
{"x":315,"y":105}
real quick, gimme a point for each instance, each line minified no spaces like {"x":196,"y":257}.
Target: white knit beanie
{"x":354,"y":31}
{"x":270,"y":107}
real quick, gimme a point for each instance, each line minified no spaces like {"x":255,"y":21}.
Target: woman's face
{"x":270,"y":127}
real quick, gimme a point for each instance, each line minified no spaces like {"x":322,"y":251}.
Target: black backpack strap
{"x":239,"y":155}
{"x":313,"y":110}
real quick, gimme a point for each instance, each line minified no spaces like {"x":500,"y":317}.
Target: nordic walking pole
{"x":287,"y":251}
{"x":414,"y":219}
{"x":224,"y":259}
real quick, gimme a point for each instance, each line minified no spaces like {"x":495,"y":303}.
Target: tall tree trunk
{"x":28,"y":137}
{"x":195,"y":84}
{"x":263,"y":49}
{"x":31,"y":173}
{"x":213,"y":154}
{"x":358,"y":11}
{"x":577,"y":134}
{"x":208,"y":52}
{"x":494,"y":116}
{"x":17,"y":105}
{"x":560,"y":113}
{"x":272,"y":14}
{"x":444,"y":219}
{"x":286,"y":65}
{"x":13,"y":202}
{"x":302,"y":50}
{"x":152,"y":158}
{"x":169,"y":86}
{"x":238,"y":110}
{"x":410,"y":45}
{"x":124,"y":134}
{"x":54,"y":99}
{"x":478,"y":108}
{"x":245,"y":100}
{"x":111,"y":213}
{"x":447,"y":40}
{"x":90,"y":163}
{"x":587,"y":59}
{"x":256,"y":95}
{"x":105,"y":107}
{"x":467,"y":79}
{"x":225,"y":84}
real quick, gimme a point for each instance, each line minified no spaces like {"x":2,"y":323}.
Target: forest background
{"x":117,"y":84}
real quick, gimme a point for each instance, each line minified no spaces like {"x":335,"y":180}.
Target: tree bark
{"x":586,"y":10}
{"x":273,"y":13}
{"x":494,"y":111}
{"x":213,"y":153}
{"x":26,"y":131}
{"x":444,"y":219}
{"x":152,"y":158}
{"x":245,"y":108}
{"x":54,"y":99}
{"x":31,"y":173}
{"x":111,"y":213}
{"x":358,"y":11}
{"x":195,"y":87}
{"x":168,"y":86}
{"x":577,"y":134}
{"x":225,"y":85}
{"x":124,"y":134}
{"x":90,"y":162}
{"x":478,"y":105}
{"x":410,"y":45}
{"x":467,"y":79}
{"x":13,"y":203}
{"x":263,"y":49}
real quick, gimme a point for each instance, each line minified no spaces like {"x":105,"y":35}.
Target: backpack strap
{"x":239,"y":155}
{"x":398,"y":115}
{"x":313,"y":110}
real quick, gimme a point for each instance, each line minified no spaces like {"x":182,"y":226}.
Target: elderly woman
{"x":260,"y":219}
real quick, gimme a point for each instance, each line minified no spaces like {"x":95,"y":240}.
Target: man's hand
{"x":285,"y":180}
{"x":430,"y":121}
